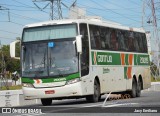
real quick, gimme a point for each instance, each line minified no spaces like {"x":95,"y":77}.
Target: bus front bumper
{"x":55,"y":92}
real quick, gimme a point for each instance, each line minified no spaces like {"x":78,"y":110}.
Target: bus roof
{"x":89,"y":21}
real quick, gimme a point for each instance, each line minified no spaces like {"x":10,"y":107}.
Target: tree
{"x":154,"y":70}
{"x":10,"y":64}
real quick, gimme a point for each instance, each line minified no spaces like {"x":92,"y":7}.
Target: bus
{"x":82,"y":58}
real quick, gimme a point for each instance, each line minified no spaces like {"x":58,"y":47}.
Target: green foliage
{"x":18,"y":50}
{"x":155,"y":80}
{"x":10,"y":64}
{"x":154,"y":70}
{"x":15,"y":87}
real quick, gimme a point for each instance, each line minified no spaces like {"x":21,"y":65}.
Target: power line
{"x":28,"y":5}
{"x":88,"y":7}
{"x":23,"y":10}
{"x":120,"y":6}
{"x":24,"y":17}
{"x":105,"y":9}
{"x":6,"y":38}
{"x":9,"y":32}
{"x":22,"y":3}
{"x":17,"y":23}
{"x":114,"y":11}
{"x":4,"y":8}
{"x":12,"y":22}
{"x":55,"y":8}
{"x":134,"y":2}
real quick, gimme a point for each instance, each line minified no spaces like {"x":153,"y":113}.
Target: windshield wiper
{"x":55,"y":67}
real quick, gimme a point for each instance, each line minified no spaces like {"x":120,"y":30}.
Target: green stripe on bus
{"x":27,"y":80}
{"x":141,"y":59}
{"x":93,"y":62}
{"x":108,"y":58}
{"x":125,"y":72}
{"x":126,"y":59}
{"x":55,"y":79}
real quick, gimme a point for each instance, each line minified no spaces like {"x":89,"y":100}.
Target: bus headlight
{"x":27,"y":85}
{"x":73,"y":81}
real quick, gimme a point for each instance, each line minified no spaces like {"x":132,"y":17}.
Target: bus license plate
{"x":50,"y":92}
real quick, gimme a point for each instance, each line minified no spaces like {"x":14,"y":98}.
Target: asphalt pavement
{"x":148,"y":104}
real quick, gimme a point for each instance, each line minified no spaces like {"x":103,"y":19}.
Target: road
{"x":148,"y":104}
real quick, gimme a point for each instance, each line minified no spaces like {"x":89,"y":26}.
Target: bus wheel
{"x":134,"y":89}
{"x":46,"y":102}
{"x":95,"y":97}
{"x":138,"y":93}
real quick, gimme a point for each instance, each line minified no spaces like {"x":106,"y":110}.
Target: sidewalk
{"x":155,"y":86}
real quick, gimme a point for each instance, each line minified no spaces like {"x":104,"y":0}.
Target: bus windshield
{"x":49,"y":51}
{"x":49,"y":59}
{"x":49,"y":32}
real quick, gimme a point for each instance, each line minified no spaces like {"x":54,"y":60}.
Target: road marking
{"x":115,"y":105}
{"x":93,"y":105}
{"x":30,"y":114}
{"x":106,"y":99}
{"x":111,"y":104}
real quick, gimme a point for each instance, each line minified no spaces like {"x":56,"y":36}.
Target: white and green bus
{"x":79,"y":58}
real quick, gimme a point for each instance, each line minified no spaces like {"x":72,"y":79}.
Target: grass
{"x":155,"y":80}
{"x":15,"y":87}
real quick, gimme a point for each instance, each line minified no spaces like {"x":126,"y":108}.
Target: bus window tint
{"x":131,"y":47}
{"x":136,"y":45}
{"x":93,"y":44}
{"x":105,"y":38}
{"x":121,"y":40}
{"x":114,"y":40}
{"x":85,"y":50}
{"x":144,"y":43}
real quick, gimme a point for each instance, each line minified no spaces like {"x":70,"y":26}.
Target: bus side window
{"x":102,"y":37}
{"x":93,"y":44}
{"x":144,"y":43}
{"x":114,"y":41}
{"x":85,"y":50}
{"x":140,"y":43}
{"x":131,"y":47}
{"x":97,"y":39}
{"x":107,"y":39}
{"x":136,"y":42}
{"x":121,"y":41}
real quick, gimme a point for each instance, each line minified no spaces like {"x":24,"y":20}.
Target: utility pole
{"x":143,"y":13}
{"x":4,"y":8}
{"x":55,"y":8}
{"x":156,"y":34}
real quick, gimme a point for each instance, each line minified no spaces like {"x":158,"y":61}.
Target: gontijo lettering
{"x":104,"y":58}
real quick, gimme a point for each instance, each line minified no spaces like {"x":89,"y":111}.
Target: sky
{"x":22,"y":12}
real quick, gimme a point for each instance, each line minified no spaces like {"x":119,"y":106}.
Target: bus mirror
{"x":13,"y":49}
{"x":79,"y":43}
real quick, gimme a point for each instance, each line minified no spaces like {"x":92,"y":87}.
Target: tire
{"x":96,"y":96}
{"x":139,"y":88}
{"x":46,"y":102}
{"x":133,"y":92}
